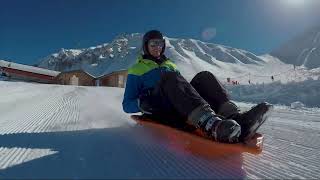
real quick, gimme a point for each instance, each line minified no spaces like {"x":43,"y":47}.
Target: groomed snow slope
{"x":52,"y":131}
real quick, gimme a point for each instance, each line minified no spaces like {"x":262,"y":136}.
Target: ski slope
{"x":53,"y":131}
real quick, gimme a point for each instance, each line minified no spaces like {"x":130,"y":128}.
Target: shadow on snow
{"x":121,"y":152}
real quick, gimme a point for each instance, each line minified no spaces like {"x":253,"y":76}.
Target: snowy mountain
{"x":303,"y":50}
{"x":99,"y":60}
{"x":190,"y":55}
{"x":124,"y":49}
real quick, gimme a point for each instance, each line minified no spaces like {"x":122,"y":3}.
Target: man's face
{"x":155,"y":47}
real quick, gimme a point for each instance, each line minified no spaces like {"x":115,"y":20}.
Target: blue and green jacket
{"x":143,"y":75}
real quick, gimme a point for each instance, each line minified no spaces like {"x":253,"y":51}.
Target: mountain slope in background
{"x":99,"y":60}
{"x":190,"y":55}
{"x":122,"y":52}
{"x":304,"y":50}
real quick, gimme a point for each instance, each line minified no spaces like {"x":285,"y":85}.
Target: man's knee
{"x":205,"y":74}
{"x":202,"y":76}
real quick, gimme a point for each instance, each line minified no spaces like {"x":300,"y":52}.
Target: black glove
{"x":145,"y":102}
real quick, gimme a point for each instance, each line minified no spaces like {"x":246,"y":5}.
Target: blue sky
{"x":33,"y":29}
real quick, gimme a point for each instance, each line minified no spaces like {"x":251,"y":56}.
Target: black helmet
{"x":153,"y":34}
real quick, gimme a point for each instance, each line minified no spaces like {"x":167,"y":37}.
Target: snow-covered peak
{"x":211,"y":52}
{"x":191,"y":56}
{"x":69,"y":52}
{"x":98,"y":60}
{"x":123,"y":50}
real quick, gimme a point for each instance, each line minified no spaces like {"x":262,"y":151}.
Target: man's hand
{"x":145,"y":102}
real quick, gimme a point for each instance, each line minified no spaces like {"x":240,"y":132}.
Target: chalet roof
{"x":78,"y":70}
{"x":104,"y":75}
{"x":28,"y":68}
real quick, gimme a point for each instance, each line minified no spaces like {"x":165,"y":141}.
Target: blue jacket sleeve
{"x":131,"y":95}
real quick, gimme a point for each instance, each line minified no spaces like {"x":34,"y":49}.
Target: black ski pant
{"x":174,"y":98}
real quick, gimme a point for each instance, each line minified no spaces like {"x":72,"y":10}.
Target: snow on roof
{"x":78,"y":70}
{"x":33,"y":69}
{"x":110,"y":73}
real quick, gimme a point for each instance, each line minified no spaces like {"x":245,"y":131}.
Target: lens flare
{"x":209,"y":33}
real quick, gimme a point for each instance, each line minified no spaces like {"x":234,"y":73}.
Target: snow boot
{"x":226,"y":131}
{"x":250,"y":121}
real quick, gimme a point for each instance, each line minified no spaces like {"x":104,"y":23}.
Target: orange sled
{"x":196,"y":143}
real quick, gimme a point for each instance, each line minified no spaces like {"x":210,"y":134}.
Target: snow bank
{"x":306,"y":92}
{"x":297,"y":105}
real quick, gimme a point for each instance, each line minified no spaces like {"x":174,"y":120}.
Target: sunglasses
{"x":156,"y":43}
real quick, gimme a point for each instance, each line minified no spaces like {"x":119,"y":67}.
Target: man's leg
{"x":174,"y":89}
{"x":188,"y":103}
{"x":172,"y":100}
{"x":215,"y":94}
{"x":210,"y":89}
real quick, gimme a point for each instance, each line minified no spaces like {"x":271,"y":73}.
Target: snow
{"x":75,"y":132}
{"x":317,"y":38}
{"x":71,"y":52}
{"x":307,"y":92}
{"x":191,"y":57}
{"x":28,"y":68}
{"x":307,"y":57}
{"x":297,"y":105}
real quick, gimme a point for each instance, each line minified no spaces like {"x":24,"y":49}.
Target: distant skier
{"x":156,"y":88}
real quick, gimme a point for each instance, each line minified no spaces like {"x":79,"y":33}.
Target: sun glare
{"x":295,"y":2}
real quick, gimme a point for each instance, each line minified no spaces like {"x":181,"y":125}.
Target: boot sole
{"x":254,"y":128}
